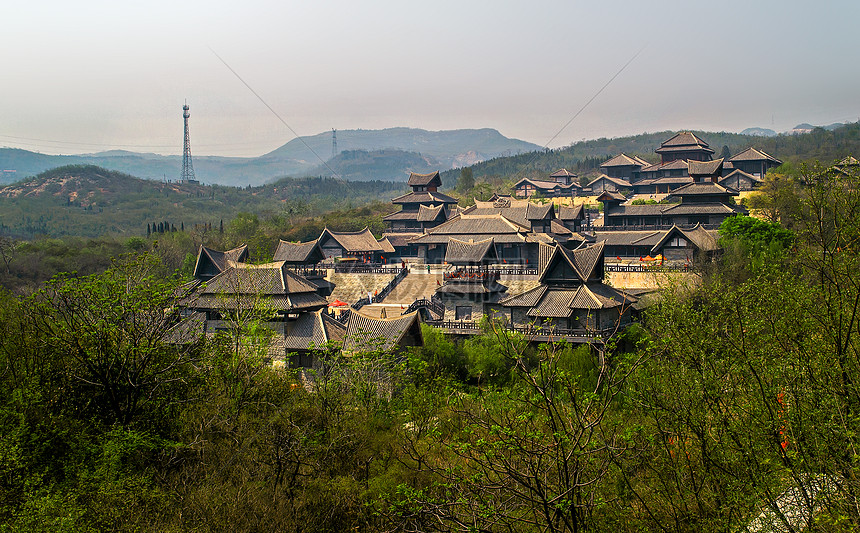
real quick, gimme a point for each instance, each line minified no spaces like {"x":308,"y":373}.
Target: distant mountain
{"x":759,"y":132}
{"x":388,"y":165}
{"x":440,"y":150}
{"x":448,"y":147}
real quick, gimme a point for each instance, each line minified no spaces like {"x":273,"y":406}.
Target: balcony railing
{"x":651,"y":227}
{"x":530,"y":330}
{"x":366,"y":268}
{"x":646,"y":268}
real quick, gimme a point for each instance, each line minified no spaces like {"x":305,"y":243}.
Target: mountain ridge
{"x":447,"y":148}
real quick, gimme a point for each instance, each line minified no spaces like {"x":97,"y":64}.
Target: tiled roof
{"x":584,"y":261}
{"x":666,"y":180}
{"x":470,"y":253}
{"x":424,"y":197}
{"x":611,"y":196}
{"x":711,"y":208}
{"x":562,"y":173}
{"x":704,"y":240}
{"x":356,"y":241}
{"x":703,"y":189}
{"x":545,"y":253}
{"x":400,"y":239}
{"x":705,"y":168}
{"x":271,"y":286}
{"x":364,"y":333}
{"x":385,"y":245}
{"x":752,"y":154}
{"x":401,"y":215}
{"x":608,"y":297}
{"x":525,"y":299}
{"x":554,"y":303}
{"x":220,"y":259}
{"x":562,"y":303}
{"x":311,"y":330}
{"x":617,"y":181}
{"x":637,"y":210}
{"x":556,"y":228}
{"x":739,"y":173}
{"x":587,"y":259}
{"x":423,"y":179}
{"x":271,"y":278}
{"x":629,"y":238}
{"x":430,"y":213}
{"x":261,"y":303}
{"x":566,"y":212}
{"x":298,"y":252}
{"x":622,"y":160}
{"x":677,"y":164}
{"x":522,"y":212}
{"x":684,"y":140}
{"x":189,"y":329}
{"x":468,"y":224}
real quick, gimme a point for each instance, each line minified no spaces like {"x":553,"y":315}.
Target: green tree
{"x":111,"y":332}
{"x":466,"y":181}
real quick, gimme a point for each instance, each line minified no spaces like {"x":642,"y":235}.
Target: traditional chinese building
{"x":624,"y":167}
{"x":571,"y":296}
{"x":685,"y":146}
{"x":754,"y":162}
{"x":471,"y":287}
{"x":421,"y":209}
{"x":514,"y":243}
{"x":353,"y":245}
{"x":697,"y":203}
{"x":561,"y":183}
{"x":673,"y":244}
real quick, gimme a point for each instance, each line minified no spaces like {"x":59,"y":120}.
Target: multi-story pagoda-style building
{"x":686,"y":146}
{"x":423,"y":208}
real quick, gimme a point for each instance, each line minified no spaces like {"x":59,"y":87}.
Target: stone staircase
{"x":415,"y":285}
{"x":351,"y":287}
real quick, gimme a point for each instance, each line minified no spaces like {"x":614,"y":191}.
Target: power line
{"x":284,"y":122}
{"x":581,"y":109}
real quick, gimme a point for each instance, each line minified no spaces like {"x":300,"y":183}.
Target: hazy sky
{"x":87,"y":76}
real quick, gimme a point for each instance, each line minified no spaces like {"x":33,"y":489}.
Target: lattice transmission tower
{"x":187,"y":167}
{"x":333,"y":143}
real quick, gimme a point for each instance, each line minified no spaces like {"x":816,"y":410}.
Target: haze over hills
{"x":387,"y":147}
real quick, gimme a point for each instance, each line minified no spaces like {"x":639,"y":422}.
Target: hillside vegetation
{"x":727,"y":398}
{"x":584,"y":158}
{"x":88,"y":201}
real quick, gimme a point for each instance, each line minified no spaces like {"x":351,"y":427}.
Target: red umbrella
{"x":337,"y":303}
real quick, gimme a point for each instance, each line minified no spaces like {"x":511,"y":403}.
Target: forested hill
{"x":585,"y":157}
{"x":89,"y":201}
